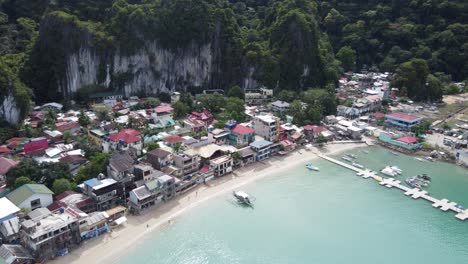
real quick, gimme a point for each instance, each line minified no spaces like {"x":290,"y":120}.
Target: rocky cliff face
{"x":151,"y":69}
{"x":9,"y":109}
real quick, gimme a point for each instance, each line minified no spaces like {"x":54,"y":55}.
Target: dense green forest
{"x":291,"y":44}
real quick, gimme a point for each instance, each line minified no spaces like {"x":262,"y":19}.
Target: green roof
{"x":24,"y":192}
{"x":152,"y":185}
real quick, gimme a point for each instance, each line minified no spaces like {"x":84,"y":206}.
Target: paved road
{"x":437,"y":140}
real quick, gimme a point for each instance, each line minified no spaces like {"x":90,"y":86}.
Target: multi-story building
{"x":241,"y":136}
{"x":280,"y":106}
{"x":222,"y":165}
{"x":258,"y":96}
{"x":152,"y":193}
{"x":9,"y":222}
{"x":402,"y":120}
{"x":123,"y":140}
{"x":159,"y":158}
{"x":48,"y":235}
{"x":262,"y":149}
{"x":105,"y":192}
{"x":188,"y":163}
{"x":267,"y":126}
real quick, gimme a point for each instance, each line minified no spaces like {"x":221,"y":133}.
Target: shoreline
{"x":108,"y":248}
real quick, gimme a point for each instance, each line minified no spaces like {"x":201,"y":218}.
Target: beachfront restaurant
{"x":405,"y":142}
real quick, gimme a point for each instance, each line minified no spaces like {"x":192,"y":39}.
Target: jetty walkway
{"x":415,"y":193}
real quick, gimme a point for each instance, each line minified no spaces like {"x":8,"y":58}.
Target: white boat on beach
{"x":388,"y":171}
{"x":357,"y":165}
{"x":429,"y":158}
{"x":419,"y":159}
{"x":243,"y":197}
{"x":310,"y":166}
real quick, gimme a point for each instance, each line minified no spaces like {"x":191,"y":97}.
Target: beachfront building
{"x":159,"y":158}
{"x":15,"y":254}
{"x":123,"y":140}
{"x":222,"y":165}
{"x":48,"y":235}
{"x":188,"y":163}
{"x":31,"y":196}
{"x":262,"y":149}
{"x":404,"y":142}
{"x":280,"y":106}
{"x":241,"y":136}
{"x":267,"y":126}
{"x":151,"y":193}
{"x":73,"y":199}
{"x":105,"y":192}
{"x":246,"y":157}
{"x":93,"y":225}
{"x":9,"y":222}
{"x":403,"y":121}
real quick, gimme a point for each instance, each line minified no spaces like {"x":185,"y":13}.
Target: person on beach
{"x":147,"y":225}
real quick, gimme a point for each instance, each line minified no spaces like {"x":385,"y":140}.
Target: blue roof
{"x":261,"y":144}
{"x":92,"y":182}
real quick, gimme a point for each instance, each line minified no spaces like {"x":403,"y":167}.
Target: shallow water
{"x":323,"y":217}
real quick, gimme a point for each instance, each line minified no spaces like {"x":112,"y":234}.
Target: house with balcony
{"x":401,"y":120}
{"x":262,"y":149}
{"x":9,"y":222}
{"x":123,"y":140}
{"x":31,"y":196}
{"x":222,"y":165}
{"x":105,"y":192}
{"x":47,"y":235}
{"x":241,"y":136}
{"x":266,"y":126}
{"x":152,"y":193}
{"x":188,"y":163}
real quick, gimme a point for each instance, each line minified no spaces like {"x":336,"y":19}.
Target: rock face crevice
{"x":9,"y":110}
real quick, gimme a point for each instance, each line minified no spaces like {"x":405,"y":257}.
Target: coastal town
{"x":77,"y":173}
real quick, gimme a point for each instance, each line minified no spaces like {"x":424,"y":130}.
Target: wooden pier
{"x":415,"y":193}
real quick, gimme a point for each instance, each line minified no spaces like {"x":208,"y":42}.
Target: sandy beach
{"x":110,"y":247}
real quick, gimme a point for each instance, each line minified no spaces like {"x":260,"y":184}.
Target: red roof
{"x":127,"y":135}
{"x":5,"y":150}
{"x":35,"y":145}
{"x":243,"y":130}
{"x":378,"y":115}
{"x":315,"y":128}
{"x":403,"y":116}
{"x":173,"y":139}
{"x":163,"y":109}
{"x":6,"y":165}
{"x":408,"y":140}
{"x":205,"y":168}
{"x":64,"y":126}
{"x":73,"y":159}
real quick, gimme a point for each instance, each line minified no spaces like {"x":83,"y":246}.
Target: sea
{"x":325,"y":217}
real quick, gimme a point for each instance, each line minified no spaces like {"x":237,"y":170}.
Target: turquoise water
{"x":327,"y":217}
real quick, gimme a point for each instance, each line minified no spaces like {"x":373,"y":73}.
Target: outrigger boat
{"x":347,"y":159}
{"x":357,"y":165}
{"x":394,"y":153}
{"x":243,"y":197}
{"x":396,"y":169}
{"x":424,"y":177}
{"x":312,"y":167}
{"x":351,"y":155}
{"x":389,"y":171}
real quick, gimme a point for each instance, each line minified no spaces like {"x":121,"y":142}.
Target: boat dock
{"x":415,"y":193}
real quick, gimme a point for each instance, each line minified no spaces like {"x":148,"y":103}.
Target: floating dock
{"x":415,"y":193}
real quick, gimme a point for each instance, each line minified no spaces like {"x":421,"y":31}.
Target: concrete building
{"x":188,"y":163}
{"x":258,"y":96}
{"x":267,"y":126}
{"x":402,"y":120}
{"x":247,"y":156}
{"x":48,"y":235}
{"x":280,"y":106}
{"x":105,"y":192}
{"x":262,"y":149}
{"x":222,"y":165}
{"x":9,"y":223}
{"x":31,"y":196}
{"x":241,"y":136}
{"x":151,"y":193}
{"x":120,"y":166}
{"x":159,"y":158}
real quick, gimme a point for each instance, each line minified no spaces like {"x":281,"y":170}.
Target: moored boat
{"x":243,"y":197}
{"x":351,"y":155}
{"x":347,"y":158}
{"x":396,"y":169}
{"x":388,"y":171}
{"x":394,"y":153}
{"x":310,"y":166}
{"x":413,"y":182}
{"x":357,"y":165}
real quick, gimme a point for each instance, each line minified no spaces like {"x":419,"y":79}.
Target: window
{"x":35,"y":203}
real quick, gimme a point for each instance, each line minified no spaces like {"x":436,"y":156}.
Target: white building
{"x":222,"y":165}
{"x":266,"y":126}
{"x":31,"y":196}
